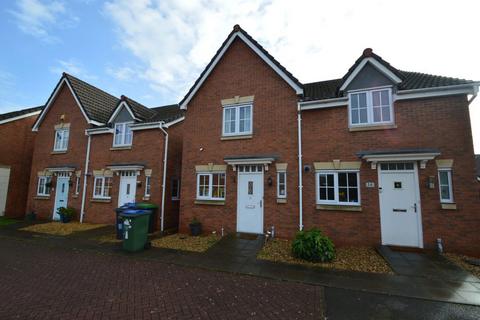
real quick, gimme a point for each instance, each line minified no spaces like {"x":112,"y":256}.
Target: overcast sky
{"x":153,"y":50}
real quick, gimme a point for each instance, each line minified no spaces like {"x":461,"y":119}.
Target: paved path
{"x":38,"y":282}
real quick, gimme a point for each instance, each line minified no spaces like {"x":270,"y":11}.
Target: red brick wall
{"x":241,"y":73}
{"x":43,"y":157}
{"x":17,"y":140}
{"x":441,"y":123}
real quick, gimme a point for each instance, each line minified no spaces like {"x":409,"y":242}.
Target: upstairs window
{"x":237,"y":120}
{"x":61,"y":139}
{"x":123,"y":135}
{"x":371,"y":107}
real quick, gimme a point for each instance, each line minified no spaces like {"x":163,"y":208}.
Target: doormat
{"x":247,"y":236}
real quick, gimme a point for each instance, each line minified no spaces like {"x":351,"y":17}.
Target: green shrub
{"x":67,"y":212}
{"x":313,"y":246}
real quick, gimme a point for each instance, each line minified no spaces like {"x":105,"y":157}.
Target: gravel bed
{"x":460,"y":261}
{"x":61,"y":229}
{"x":362,"y":259}
{"x":185,"y":242}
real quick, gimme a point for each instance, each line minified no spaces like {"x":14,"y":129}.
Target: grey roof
{"x":13,"y":114}
{"x":329,"y":89}
{"x":139,"y":110}
{"x":97,"y":104}
{"x":167,"y":113}
{"x":477,"y":163}
{"x":397,"y":151}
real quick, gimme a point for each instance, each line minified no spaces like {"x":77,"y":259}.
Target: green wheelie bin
{"x":135,"y":229}
{"x":153,"y":217}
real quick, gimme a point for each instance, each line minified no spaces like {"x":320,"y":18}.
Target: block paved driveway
{"x":38,"y":282}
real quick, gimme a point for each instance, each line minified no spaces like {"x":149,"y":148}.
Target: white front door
{"x":128,"y":187}
{"x":400,"y":215}
{"x":61,"y":195}
{"x":250,"y":199}
{"x":4,"y":179}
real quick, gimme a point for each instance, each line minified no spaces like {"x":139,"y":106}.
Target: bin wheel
{"x":148,"y":245}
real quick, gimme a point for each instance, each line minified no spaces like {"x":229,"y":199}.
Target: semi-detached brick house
{"x":16,"y":139}
{"x":95,"y":152}
{"x":380,"y":156}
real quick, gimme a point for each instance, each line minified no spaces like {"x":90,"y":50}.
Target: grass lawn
{"x":61,"y":229}
{"x":185,"y":242}
{"x":460,"y":260}
{"x":363,"y":259}
{"x":4,"y":221}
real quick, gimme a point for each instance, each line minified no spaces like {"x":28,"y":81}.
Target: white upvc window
{"x":77,"y":186}
{"x":211,"y":186}
{"x":122,"y":134}
{"x":445,"y":185}
{"x":175,"y":189}
{"x":338,"y":187}
{"x":237,"y":120}
{"x":371,"y":107}
{"x":102,"y":187}
{"x":43,"y":187}
{"x":281,"y":184}
{"x":61,"y":139}
{"x":148,"y":186}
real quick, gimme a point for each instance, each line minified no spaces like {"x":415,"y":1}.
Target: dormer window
{"x":123,"y":135}
{"x":371,"y":107}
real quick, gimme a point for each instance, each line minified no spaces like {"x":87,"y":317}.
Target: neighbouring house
{"x":95,"y":152}
{"x":379,"y":156}
{"x":17,"y":140}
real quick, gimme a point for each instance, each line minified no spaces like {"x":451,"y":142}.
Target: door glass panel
{"x":250,"y":187}
{"x":63,"y":187}
{"x":128,"y":188}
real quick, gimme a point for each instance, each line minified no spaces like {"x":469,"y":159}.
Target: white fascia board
{"x":323,"y":104}
{"x":52,"y":99}
{"x":94,"y":131}
{"x":171,"y":123}
{"x":298,"y":89}
{"x":123,"y":104}
{"x":400,"y":157}
{"x":377,"y":65}
{"x":26,"y":115}
{"x":145,"y":126}
{"x":126,"y":168}
{"x":437,"y":91}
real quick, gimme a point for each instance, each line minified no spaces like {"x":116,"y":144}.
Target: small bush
{"x":67,"y":212}
{"x":313,"y":246}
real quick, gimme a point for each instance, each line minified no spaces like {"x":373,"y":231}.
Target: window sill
{"x":75,"y":196}
{"x":146,"y":198}
{"x":175,"y":199}
{"x":281,"y":200}
{"x":41,"y":197}
{"x":211,"y":202}
{"x":59,"y":152}
{"x":121,"y":148}
{"x":237,"y":137}
{"x":373,"y":127}
{"x":101,"y":200}
{"x":336,"y":207}
{"x":449,"y":206}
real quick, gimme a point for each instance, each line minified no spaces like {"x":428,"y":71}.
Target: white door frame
{"x":61,"y":177}
{"x":258,"y":173}
{"x":3,"y":204}
{"x":417,"y":201}
{"x":127,"y":175}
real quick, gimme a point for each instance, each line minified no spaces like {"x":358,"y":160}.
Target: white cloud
{"x":72,"y":67}
{"x":122,"y":73}
{"x":37,"y":18}
{"x":315,"y":40}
